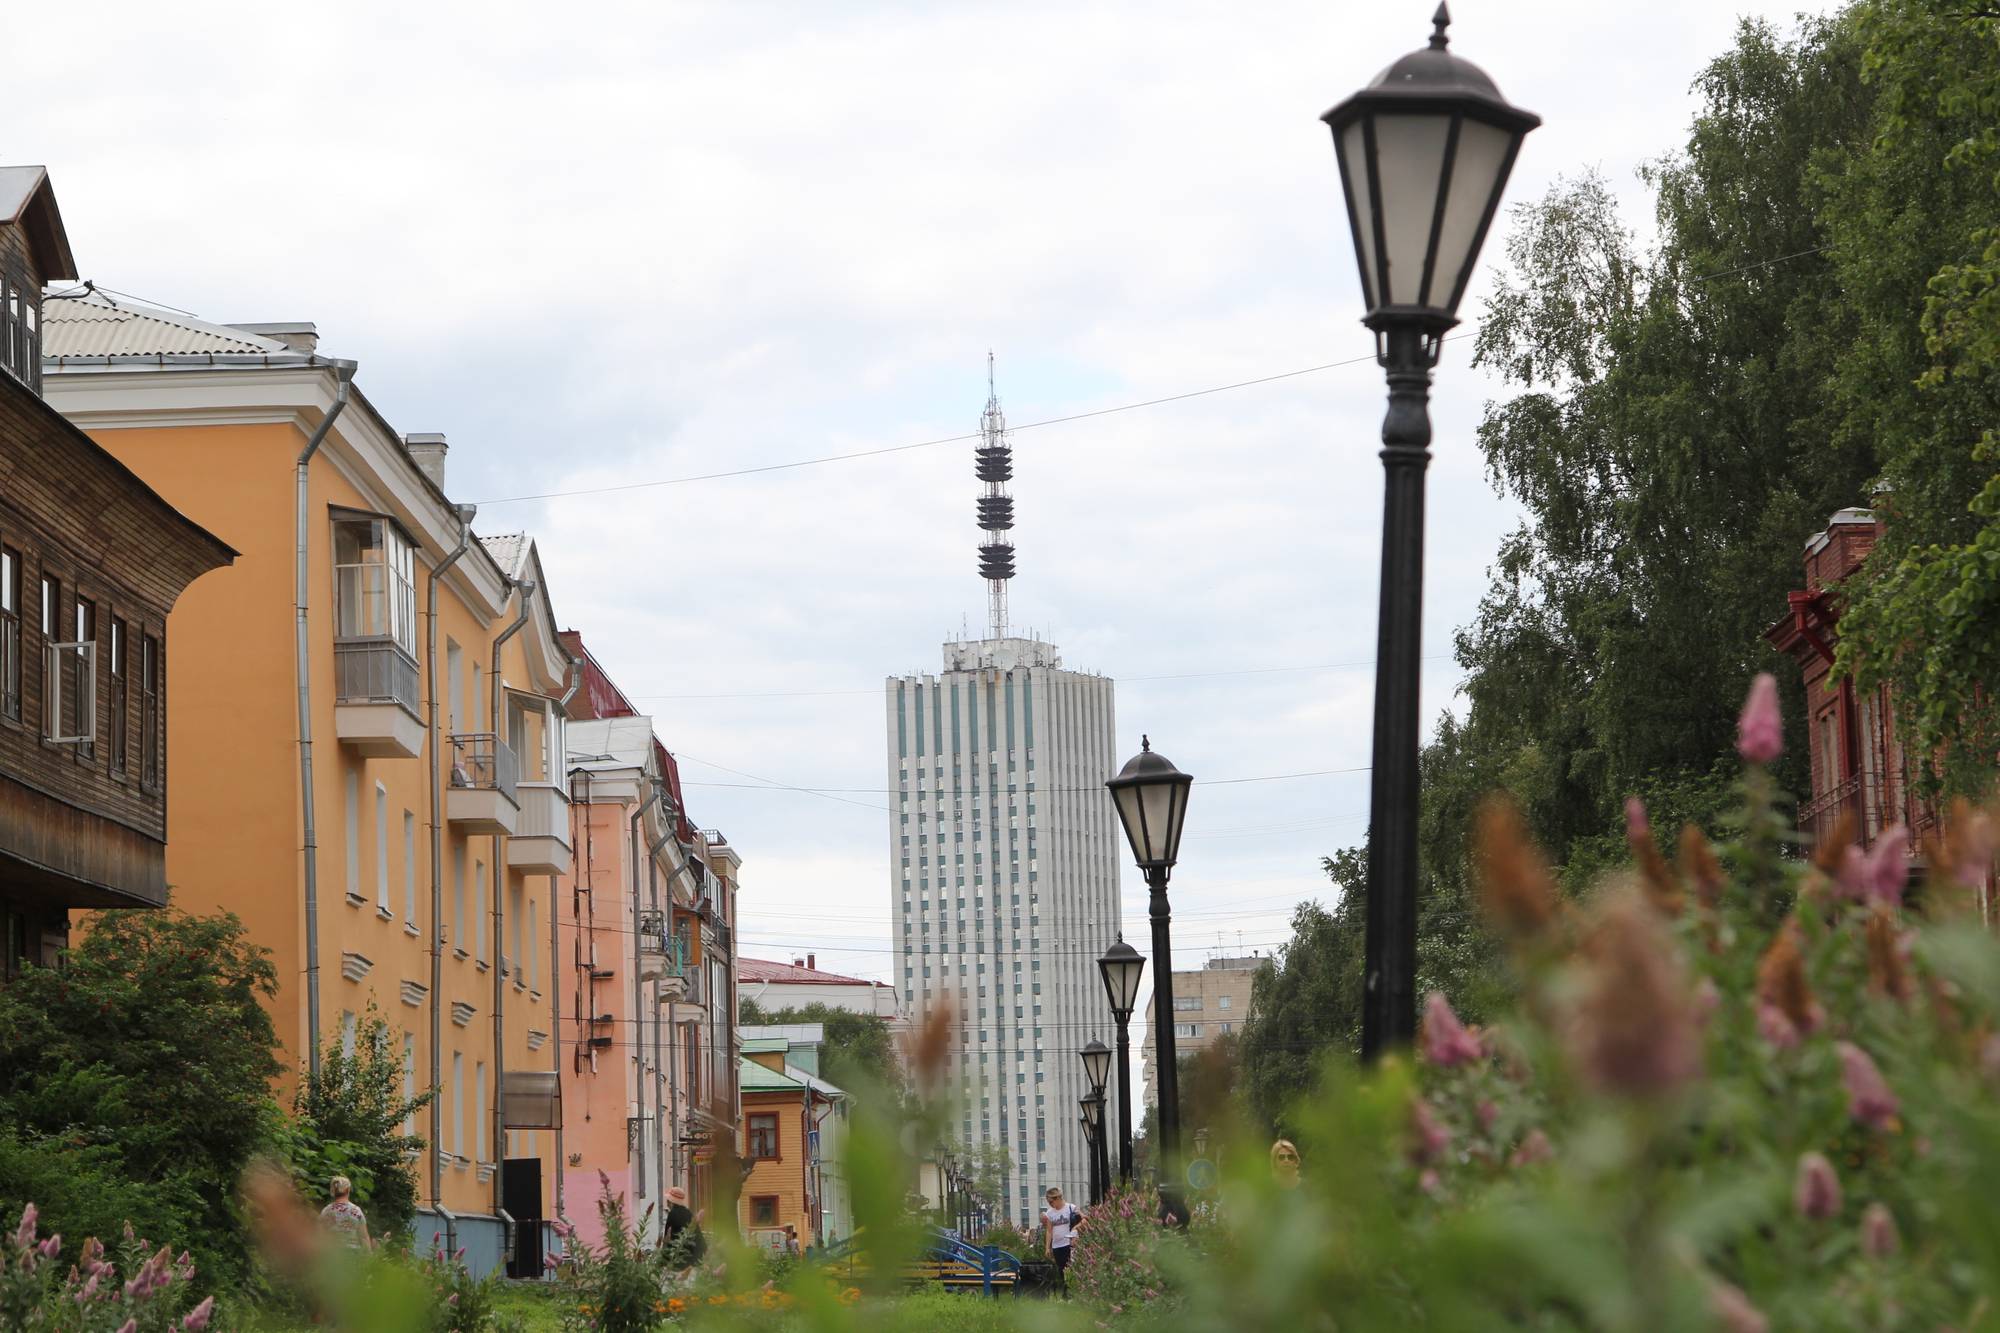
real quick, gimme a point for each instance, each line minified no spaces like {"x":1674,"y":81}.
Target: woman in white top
{"x":1059,"y":1221}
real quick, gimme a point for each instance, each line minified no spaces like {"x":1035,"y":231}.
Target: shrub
{"x":349,"y":1119}
{"x":1017,"y":1241}
{"x":1125,"y":1260}
{"x":91,"y":1296}
{"x":622,"y":1288}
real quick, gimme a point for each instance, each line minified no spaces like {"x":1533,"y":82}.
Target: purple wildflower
{"x":1446,"y":1042}
{"x":1869,"y":1098}
{"x":198,"y":1317}
{"x":1731,"y":1306}
{"x":1816,"y":1191}
{"x":1760,"y":736}
{"x":24,"y":1236}
{"x":1879,"y":1238}
{"x":1888,"y":867}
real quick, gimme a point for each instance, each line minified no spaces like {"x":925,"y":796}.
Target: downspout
{"x":526,"y":589}
{"x":558,"y":973}
{"x":665,"y":1111}
{"x":638,"y":996}
{"x":343,"y":374}
{"x":465,"y":515}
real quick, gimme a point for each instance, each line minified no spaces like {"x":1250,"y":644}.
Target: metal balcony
{"x":662,"y":954}
{"x":375,"y":711}
{"x":541,"y":842}
{"x":484,"y":781}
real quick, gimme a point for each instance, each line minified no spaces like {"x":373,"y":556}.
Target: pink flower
{"x":1816,"y":1191}
{"x":1774,"y":1027}
{"x":51,"y":1247}
{"x":1533,"y":1150}
{"x":1869,"y":1099}
{"x":129,"y":1326}
{"x":1879,"y":1239}
{"x":1433,"y":1139}
{"x":1429,"y":1182}
{"x":1729,"y":1303}
{"x":1446,"y":1042}
{"x":1637,"y":827}
{"x":1760,"y":734}
{"x":1888,"y":867}
{"x":25,"y":1235}
{"x":197,"y":1318}
{"x":1487,"y":1113}
{"x":1851,"y":882}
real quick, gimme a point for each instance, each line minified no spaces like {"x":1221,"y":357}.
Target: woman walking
{"x":1059,"y":1222}
{"x":344,"y":1218}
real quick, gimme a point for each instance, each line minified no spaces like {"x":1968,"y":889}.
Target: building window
{"x":763,"y":1210}
{"x":10,"y":632}
{"x":1186,"y":1003}
{"x":382,"y":850}
{"x":764,"y":1138}
{"x":1222,"y":1002}
{"x":479,"y":1111}
{"x":1187,"y":1029}
{"x":83,"y":699}
{"x":410,"y":867}
{"x":458,"y":1103}
{"x":374,"y":595}
{"x":69,"y":670}
{"x":149,"y":710}
{"x":353,"y":804}
{"x":458,"y":899}
{"x":409,"y":1081}
{"x":119,"y":697}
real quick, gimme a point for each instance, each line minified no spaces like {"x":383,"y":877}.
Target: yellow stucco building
{"x":388,"y":819}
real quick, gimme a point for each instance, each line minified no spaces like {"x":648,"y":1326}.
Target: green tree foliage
{"x":348,"y":1119}
{"x":1916,"y":221}
{"x":859,"y":1056}
{"x":147,"y":1058}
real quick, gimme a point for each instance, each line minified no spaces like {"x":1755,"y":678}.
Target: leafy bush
{"x":349,"y":1119}
{"x":1017,"y":1241}
{"x":622,"y":1288}
{"x":457,"y":1302}
{"x":1125,"y":1260}
{"x":91,"y":1297}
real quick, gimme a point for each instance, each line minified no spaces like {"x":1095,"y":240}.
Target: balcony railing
{"x":541,"y":841}
{"x":1867,"y":803}
{"x":374,"y":671}
{"x":481,"y":761}
{"x":662,"y":953}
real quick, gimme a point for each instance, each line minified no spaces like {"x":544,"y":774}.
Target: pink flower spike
{"x":1760,"y":734}
{"x":1533,"y":1151}
{"x":1446,"y":1042}
{"x":1879,"y":1238}
{"x":197,"y":1318}
{"x":1774,"y":1027}
{"x":1432,"y":1137}
{"x":1637,"y":827}
{"x":1732,"y":1307}
{"x":51,"y":1247}
{"x":1869,"y":1099}
{"x":129,"y":1326}
{"x":1888,"y":867}
{"x":24,"y":1236}
{"x":1851,"y":882}
{"x":1816,"y":1192}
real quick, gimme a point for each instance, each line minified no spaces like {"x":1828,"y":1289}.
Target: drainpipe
{"x":526,"y":588}
{"x":669,"y":1114}
{"x":638,"y":996}
{"x":343,"y":374}
{"x":465,"y":516}
{"x":556,"y":969}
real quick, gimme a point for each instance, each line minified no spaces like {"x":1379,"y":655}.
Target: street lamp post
{"x":1096,"y":1068}
{"x":1100,"y":1169}
{"x":1151,"y":795}
{"x":1121,"y":968}
{"x":1424,"y":154}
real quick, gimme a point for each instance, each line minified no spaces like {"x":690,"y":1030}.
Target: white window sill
{"x":384,"y":913}
{"x":483,"y":965}
{"x":356,"y":900}
{"x":461,"y":954}
{"x":410,"y":929}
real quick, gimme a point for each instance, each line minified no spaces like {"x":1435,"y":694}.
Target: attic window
{"x":20,"y":337}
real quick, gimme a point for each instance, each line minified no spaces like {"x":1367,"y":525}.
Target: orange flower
{"x":675,"y":1305}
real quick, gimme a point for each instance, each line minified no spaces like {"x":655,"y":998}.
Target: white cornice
{"x":361,"y":446}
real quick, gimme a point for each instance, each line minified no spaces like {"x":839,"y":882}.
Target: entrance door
{"x":521,"y":1196}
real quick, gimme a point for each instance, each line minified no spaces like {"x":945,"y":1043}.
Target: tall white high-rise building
{"x":1004,"y":871}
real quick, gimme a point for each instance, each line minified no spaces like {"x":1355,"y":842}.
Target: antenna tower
{"x":994,"y":466}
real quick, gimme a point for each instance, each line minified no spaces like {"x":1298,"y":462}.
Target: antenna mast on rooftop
{"x":994,"y":465}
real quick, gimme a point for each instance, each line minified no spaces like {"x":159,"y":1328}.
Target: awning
{"x":531,"y":1099}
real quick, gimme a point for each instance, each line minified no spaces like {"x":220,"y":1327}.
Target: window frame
{"x":758,"y":1204}
{"x":753,"y":1130}
{"x":152,"y":741}
{"x":10,"y":633}
{"x":119,"y":749}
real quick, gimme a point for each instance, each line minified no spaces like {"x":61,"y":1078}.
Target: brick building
{"x":1859,"y":772}
{"x":91,"y":562}
{"x":1210,"y":1003}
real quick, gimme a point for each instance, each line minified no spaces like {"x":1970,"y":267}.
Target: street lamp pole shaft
{"x":1124,"y":1099}
{"x":1167,"y":1074}
{"x":1102,"y":1160}
{"x":1389,"y":1004}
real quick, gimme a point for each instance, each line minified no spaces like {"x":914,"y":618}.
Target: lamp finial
{"x":1145,"y":743}
{"x":1441,"y":20}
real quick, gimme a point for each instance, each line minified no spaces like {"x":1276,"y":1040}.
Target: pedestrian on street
{"x":1059,"y":1222}
{"x":344,"y":1218}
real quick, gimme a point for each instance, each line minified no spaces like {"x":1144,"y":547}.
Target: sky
{"x":636,"y":243}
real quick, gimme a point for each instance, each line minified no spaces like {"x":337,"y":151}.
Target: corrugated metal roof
{"x":509,"y":551}
{"x":754,"y":1045}
{"x":763,"y":969}
{"x":95,"y":325}
{"x":753,"y":1077}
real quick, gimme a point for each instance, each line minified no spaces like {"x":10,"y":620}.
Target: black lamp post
{"x":1121,"y":968}
{"x":1100,"y":1168}
{"x":1424,"y":153}
{"x":1096,"y":1068}
{"x":1151,"y":795}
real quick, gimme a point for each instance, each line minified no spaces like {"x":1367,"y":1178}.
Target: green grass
{"x":533,"y":1303}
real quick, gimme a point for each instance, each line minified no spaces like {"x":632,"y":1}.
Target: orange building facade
{"x":367,"y":717}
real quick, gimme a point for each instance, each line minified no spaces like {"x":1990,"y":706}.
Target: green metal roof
{"x":766,"y":1045}
{"x":753,"y":1077}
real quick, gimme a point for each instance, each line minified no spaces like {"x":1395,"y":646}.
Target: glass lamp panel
{"x":1477,"y":175}
{"x":1130,"y":814}
{"x":1093,"y":1111}
{"x":1097,"y":1064}
{"x":1177,"y":820}
{"x":1350,"y":146}
{"x":1121,"y":981}
{"x":1157,"y":804}
{"x":1409,"y":156}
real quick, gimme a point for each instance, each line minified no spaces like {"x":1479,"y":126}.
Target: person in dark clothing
{"x":681,"y":1221}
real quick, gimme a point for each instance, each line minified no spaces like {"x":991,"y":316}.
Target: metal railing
{"x":480,"y":759}
{"x":664,"y":946}
{"x":1865,"y":803}
{"x":374,"y":671}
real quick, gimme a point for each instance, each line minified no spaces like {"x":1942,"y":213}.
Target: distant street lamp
{"x":1151,"y":795}
{"x":1121,"y":968}
{"x":1425,"y":151}
{"x":1201,"y":1142}
{"x":1096,"y":1068}
{"x":1100,"y":1166}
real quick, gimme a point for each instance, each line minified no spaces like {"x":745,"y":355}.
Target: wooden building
{"x":91,"y":562}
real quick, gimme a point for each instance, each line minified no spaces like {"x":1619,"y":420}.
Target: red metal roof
{"x":763,"y":969}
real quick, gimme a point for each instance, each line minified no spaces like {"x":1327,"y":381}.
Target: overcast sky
{"x":625,"y":243}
